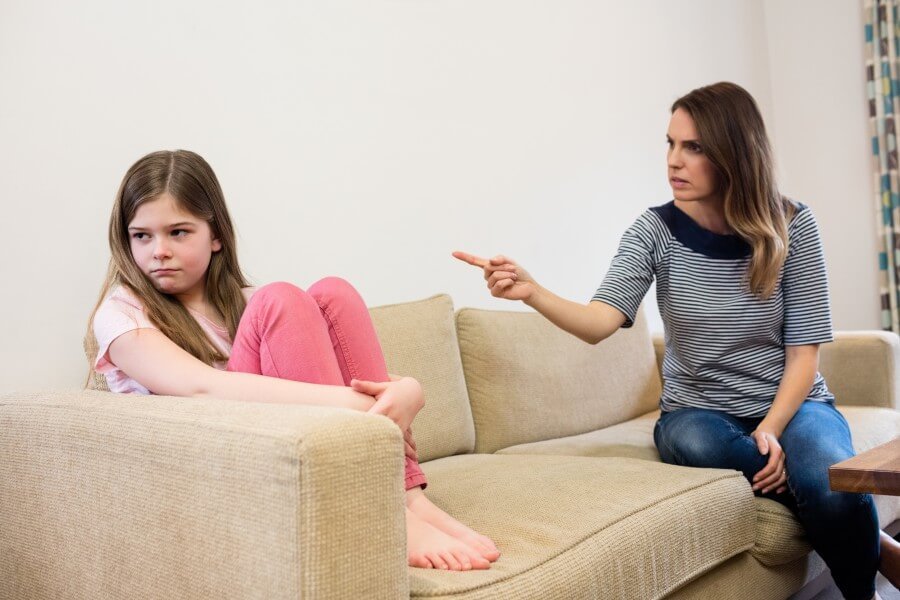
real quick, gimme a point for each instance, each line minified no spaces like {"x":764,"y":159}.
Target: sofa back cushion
{"x":530,"y":381}
{"x":419,"y":340}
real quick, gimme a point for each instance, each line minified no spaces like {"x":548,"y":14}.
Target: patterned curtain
{"x":883,"y":89}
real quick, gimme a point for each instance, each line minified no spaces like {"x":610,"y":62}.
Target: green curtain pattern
{"x":883,"y":91}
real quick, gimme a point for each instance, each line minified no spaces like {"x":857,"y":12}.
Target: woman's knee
{"x":695,"y":437}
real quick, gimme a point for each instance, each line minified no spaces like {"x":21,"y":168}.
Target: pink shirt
{"x":122,"y":312}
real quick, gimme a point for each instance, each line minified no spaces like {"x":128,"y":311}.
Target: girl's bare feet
{"x":428,"y":547}
{"x":419,"y":504}
{"x":890,"y":559}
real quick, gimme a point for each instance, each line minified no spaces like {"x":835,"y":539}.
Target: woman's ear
{"x":216,"y":245}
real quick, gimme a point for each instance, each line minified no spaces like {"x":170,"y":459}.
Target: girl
{"x":742,"y":292}
{"x":177,"y":317}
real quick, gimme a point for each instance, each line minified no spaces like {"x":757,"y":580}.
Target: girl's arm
{"x":160,"y":365}
{"x":592,"y":323}
{"x":801,"y":363}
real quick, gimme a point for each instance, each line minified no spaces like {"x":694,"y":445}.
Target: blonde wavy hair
{"x":191,"y":182}
{"x":734,"y":139}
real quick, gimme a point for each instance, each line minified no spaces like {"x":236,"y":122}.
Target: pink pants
{"x":324,"y":335}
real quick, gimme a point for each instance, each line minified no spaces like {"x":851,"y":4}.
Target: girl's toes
{"x":465,"y":562}
{"x":419,"y":561}
{"x":452,"y":563}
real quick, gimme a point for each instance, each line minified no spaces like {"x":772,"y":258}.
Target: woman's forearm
{"x":591,"y":323}
{"x":800,"y":368}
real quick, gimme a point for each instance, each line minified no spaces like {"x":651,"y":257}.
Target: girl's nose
{"x":162,"y":250}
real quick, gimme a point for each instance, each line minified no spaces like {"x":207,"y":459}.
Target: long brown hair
{"x":191,"y":182}
{"x":733,"y":137}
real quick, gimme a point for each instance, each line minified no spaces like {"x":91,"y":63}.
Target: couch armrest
{"x":861,"y":368}
{"x":117,"y":496}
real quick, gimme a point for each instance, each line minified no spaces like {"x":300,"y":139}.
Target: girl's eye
{"x":179,"y":232}
{"x":138,"y":235}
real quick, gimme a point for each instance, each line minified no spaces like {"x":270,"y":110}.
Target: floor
{"x":885,"y":590}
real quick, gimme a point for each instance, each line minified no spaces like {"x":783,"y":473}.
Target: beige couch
{"x":536,"y":439}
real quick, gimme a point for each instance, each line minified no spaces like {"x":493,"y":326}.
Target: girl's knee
{"x":332,"y":289}
{"x":277,"y":289}
{"x":281,"y":294}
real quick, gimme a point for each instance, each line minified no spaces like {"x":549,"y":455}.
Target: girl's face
{"x":691,"y":174}
{"x":172,"y":247}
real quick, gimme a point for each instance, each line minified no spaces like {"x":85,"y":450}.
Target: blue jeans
{"x":842,"y":527}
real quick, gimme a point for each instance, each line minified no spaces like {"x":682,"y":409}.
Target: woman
{"x":743,"y":295}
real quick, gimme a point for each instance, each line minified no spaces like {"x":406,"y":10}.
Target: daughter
{"x":177,"y":317}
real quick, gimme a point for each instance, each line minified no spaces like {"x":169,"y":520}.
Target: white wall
{"x":362,"y":138}
{"x":817,"y":69}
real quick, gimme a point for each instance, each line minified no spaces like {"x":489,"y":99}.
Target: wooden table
{"x":876,"y":471}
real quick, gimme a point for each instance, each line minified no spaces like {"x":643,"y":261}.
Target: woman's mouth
{"x":159,"y":272}
{"x":678,"y":183}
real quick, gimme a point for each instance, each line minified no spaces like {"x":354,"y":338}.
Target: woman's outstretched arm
{"x":593,"y":322}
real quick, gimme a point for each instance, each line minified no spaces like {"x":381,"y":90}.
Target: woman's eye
{"x":179,"y":232}
{"x":694,"y":148}
{"x":139,"y":235}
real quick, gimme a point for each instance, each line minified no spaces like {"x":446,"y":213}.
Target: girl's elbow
{"x":206,"y":383}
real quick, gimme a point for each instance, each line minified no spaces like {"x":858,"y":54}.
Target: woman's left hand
{"x":773,"y":476}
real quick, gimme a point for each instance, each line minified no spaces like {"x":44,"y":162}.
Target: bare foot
{"x":428,"y":547}
{"x":418,"y":503}
{"x":890,"y":559}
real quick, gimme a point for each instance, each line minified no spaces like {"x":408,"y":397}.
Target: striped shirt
{"x":725,"y":347}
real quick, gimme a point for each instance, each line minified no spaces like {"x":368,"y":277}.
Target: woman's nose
{"x":674,"y":159}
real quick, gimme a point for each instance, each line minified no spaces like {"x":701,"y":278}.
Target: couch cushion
{"x":587,"y":527}
{"x":631,"y":439}
{"x":419,"y":340}
{"x":780,"y":538}
{"x":530,"y":381}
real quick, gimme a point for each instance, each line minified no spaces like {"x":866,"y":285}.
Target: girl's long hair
{"x":191,"y":182}
{"x":733,"y":137}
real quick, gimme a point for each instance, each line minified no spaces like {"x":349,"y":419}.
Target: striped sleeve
{"x":631,"y":271}
{"x":807,"y":309}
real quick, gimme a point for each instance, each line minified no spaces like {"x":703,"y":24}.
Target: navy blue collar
{"x":690,"y":234}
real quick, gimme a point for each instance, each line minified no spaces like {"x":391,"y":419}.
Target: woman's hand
{"x":504,"y":277}
{"x":773,"y":476}
{"x":398,"y":400}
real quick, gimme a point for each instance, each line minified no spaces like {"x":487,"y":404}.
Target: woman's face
{"x":692,"y":175}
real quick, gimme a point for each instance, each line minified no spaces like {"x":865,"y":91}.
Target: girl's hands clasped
{"x":399,"y":400}
{"x":774,"y":475}
{"x":505,"y":278}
